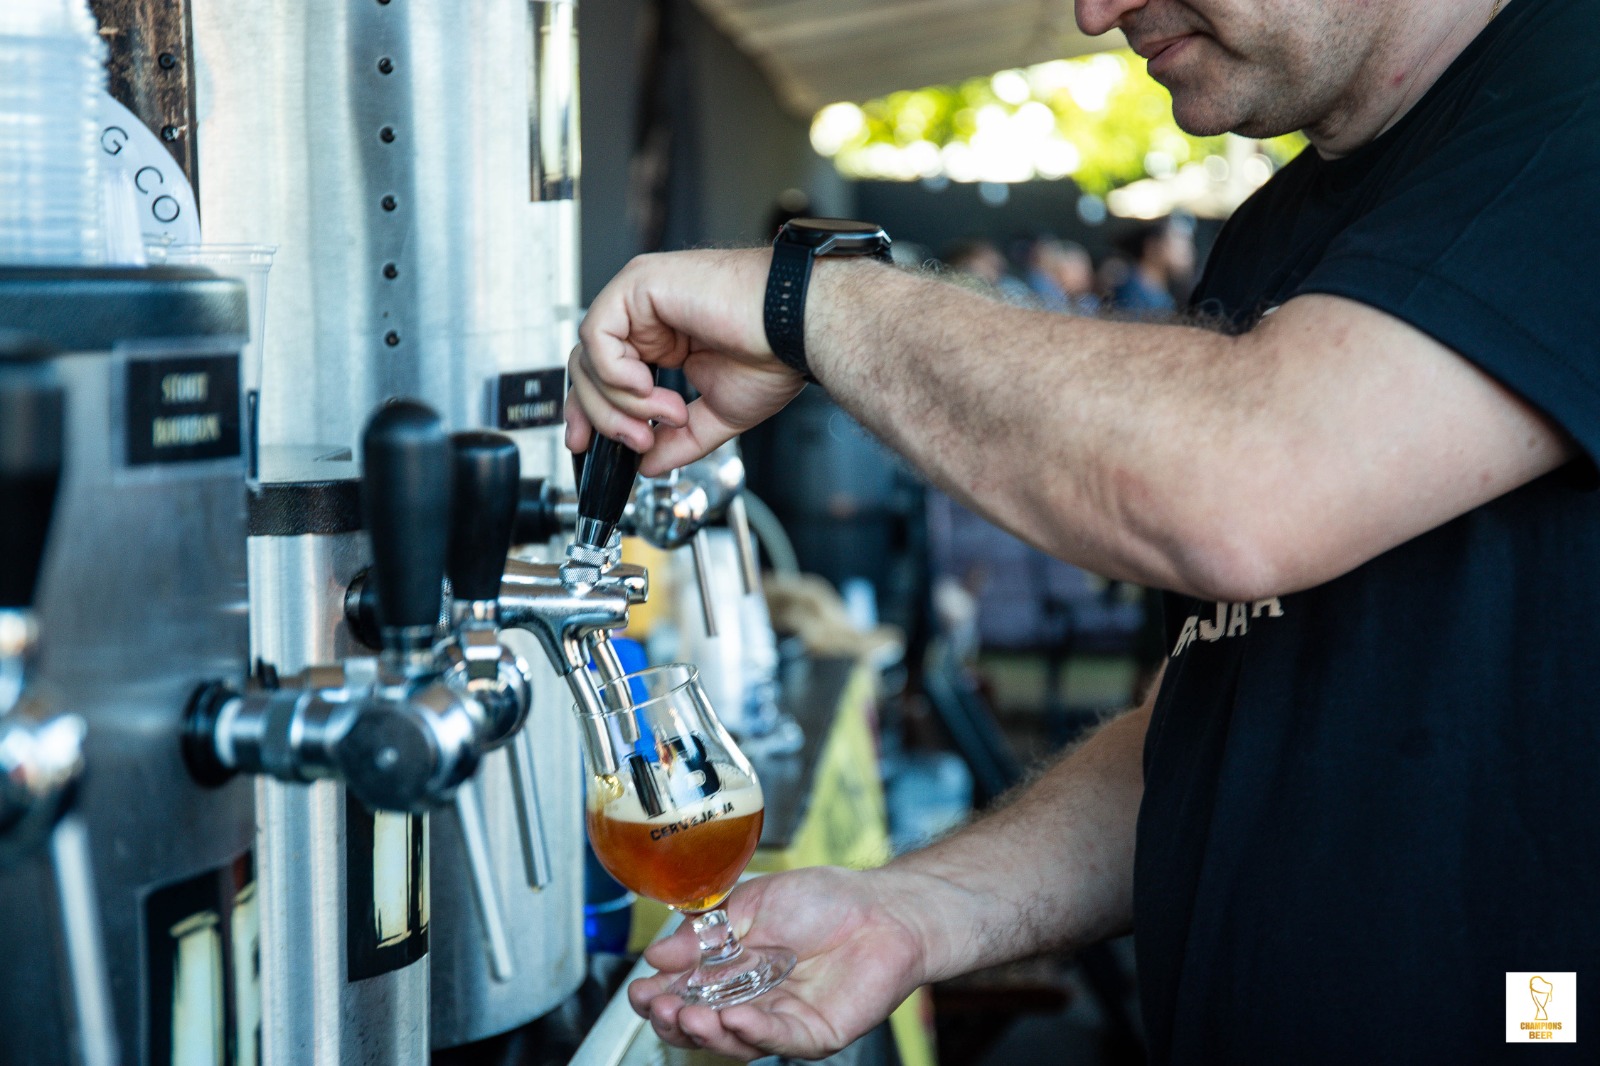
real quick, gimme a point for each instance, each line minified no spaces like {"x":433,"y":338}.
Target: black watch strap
{"x":784,"y":313}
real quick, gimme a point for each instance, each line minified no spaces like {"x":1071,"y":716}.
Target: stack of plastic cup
{"x":52,"y":73}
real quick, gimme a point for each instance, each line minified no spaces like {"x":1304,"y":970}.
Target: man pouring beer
{"x":1367,"y":487}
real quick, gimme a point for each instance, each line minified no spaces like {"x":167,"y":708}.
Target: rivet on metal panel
{"x":385,"y":65}
{"x":391,"y":271}
{"x":392,"y":339}
{"x":389,"y":203}
{"x":386,"y":135}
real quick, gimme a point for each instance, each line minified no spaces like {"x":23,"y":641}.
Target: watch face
{"x":836,"y":236}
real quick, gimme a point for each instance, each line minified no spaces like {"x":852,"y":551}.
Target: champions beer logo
{"x":1541,"y":1006}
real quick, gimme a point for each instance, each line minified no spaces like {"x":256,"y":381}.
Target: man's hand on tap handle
{"x":701,"y":311}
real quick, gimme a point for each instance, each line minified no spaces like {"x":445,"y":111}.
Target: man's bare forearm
{"x":1230,"y":468}
{"x":1028,"y":416}
{"x":1051,"y":870}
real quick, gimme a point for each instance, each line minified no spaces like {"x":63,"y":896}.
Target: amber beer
{"x":687,"y":858}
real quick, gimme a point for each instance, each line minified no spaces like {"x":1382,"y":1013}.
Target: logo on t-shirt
{"x":1541,"y":1006}
{"x":1231,"y":620}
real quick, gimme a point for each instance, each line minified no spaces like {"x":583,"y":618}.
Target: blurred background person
{"x":1161,"y":262}
{"x":1060,"y":275}
{"x":980,"y":259}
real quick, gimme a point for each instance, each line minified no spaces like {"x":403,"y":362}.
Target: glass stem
{"x":717,"y":942}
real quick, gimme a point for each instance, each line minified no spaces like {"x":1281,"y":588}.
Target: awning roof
{"x":817,"y":52}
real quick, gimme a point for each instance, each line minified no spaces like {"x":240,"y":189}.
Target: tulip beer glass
{"x":678,"y":819}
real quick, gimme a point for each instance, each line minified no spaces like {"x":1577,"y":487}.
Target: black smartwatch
{"x":799,"y":242}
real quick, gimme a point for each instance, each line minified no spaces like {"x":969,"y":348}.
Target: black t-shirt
{"x":1368,"y":802}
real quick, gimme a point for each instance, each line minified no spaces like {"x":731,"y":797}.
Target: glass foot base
{"x":742,"y":978}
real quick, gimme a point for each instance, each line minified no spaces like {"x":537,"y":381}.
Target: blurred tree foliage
{"x":1116,"y":118}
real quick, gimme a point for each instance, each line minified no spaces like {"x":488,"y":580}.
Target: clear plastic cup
{"x":250,"y":263}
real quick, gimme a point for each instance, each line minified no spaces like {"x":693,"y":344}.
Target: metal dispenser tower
{"x":414,"y":163}
{"x":140,"y":600}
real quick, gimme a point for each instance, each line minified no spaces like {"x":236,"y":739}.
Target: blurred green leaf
{"x":1106,"y":106}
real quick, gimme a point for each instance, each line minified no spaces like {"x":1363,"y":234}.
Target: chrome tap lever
{"x":604,"y":655}
{"x":744,"y":543}
{"x":405,"y":500}
{"x":700,"y":549}
{"x":41,"y":764}
{"x":475,"y":839}
{"x":93,"y":1019}
{"x":530,"y":820}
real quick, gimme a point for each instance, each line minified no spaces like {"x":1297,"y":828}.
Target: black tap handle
{"x":608,"y":473}
{"x":405,"y":500}
{"x":32,"y":443}
{"x":483,"y":511}
{"x":538,"y":516}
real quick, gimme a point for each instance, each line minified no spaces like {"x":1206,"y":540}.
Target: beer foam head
{"x":739,"y":796}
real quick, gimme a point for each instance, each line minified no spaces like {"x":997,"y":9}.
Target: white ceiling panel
{"x":817,"y":52}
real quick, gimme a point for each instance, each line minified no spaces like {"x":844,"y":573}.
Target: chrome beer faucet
{"x":667,"y":512}
{"x":42,"y":751}
{"x":405,"y":731}
{"x":483,"y":512}
{"x":572,"y":607}
{"x":679,"y":507}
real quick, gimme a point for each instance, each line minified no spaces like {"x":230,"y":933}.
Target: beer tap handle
{"x":609,"y":469}
{"x":483,"y":512}
{"x":530,"y":820}
{"x":93,"y":1020}
{"x":486,"y":507}
{"x":405,"y":500}
{"x":538,"y":516}
{"x":577,"y":468}
{"x":700,"y":548}
{"x":739,"y":523}
{"x":32,"y":435}
{"x":475,"y":840}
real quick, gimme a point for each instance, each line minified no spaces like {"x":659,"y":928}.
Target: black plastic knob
{"x":538,"y":516}
{"x":32,"y":444}
{"x":198,"y":741}
{"x":405,"y":500}
{"x":609,"y":470}
{"x":483,"y":511}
